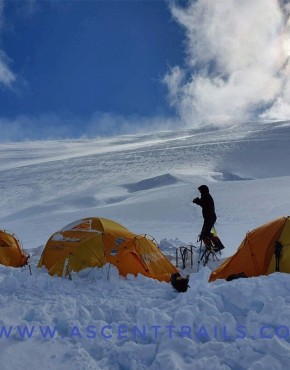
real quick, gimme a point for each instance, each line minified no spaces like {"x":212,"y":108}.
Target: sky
{"x":73,"y":63}
{"x":90,"y":68}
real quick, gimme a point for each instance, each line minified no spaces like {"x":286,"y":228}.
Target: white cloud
{"x":7,"y":77}
{"x":237,"y":61}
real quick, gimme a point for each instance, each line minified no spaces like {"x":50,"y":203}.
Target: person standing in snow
{"x":206,"y":202}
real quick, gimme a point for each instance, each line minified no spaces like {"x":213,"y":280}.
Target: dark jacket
{"x":207,"y":204}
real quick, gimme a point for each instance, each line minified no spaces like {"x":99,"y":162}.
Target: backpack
{"x":214,"y":242}
{"x":179,"y":283}
{"x":217,"y":244}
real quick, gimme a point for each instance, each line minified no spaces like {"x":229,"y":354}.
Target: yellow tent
{"x":92,"y":242}
{"x":11,"y":253}
{"x":264,"y":250}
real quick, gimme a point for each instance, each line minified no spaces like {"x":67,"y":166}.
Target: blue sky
{"x":72,"y":59}
{"x":88,"y":68}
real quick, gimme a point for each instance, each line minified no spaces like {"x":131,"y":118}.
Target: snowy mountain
{"x":98,"y":320}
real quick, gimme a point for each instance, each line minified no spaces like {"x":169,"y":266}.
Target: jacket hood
{"x":203,"y":189}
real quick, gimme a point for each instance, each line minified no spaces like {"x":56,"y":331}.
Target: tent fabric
{"x":11,"y":253}
{"x":93,"y":242}
{"x":255,"y":256}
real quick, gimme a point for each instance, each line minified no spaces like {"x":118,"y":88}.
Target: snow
{"x":146,"y":183}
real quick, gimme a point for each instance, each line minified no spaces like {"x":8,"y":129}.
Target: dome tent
{"x":93,"y":242}
{"x":11,"y":253}
{"x":263,"y":251}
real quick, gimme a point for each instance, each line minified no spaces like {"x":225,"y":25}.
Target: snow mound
{"x":151,"y":183}
{"x":230,"y":176}
{"x":99,"y":320}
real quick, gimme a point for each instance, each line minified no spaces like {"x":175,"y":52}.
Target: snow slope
{"x":146,"y":183}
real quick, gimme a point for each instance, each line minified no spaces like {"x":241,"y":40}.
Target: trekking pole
{"x":200,"y":256}
{"x":200,"y":248}
{"x":191,"y":253}
{"x":205,"y":257}
{"x":212,"y":252}
{"x":184,"y":256}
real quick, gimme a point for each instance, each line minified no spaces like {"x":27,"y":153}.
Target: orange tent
{"x":92,"y":242}
{"x":264,"y":250}
{"x":11,"y":253}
